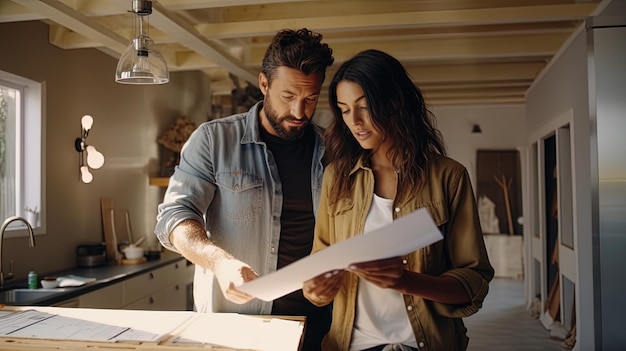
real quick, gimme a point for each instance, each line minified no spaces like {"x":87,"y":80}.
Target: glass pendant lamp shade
{"x":142,"y":62}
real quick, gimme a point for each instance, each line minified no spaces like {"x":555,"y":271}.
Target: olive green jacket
{"x":448,"y":196}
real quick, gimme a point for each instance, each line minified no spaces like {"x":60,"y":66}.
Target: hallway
{"x":504,"y":323}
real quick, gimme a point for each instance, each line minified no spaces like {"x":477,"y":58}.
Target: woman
{"x":386,"y":160}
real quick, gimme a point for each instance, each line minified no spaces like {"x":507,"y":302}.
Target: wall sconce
{"x":141,"y":62}
{"x":476,"y":129}
{"x":88,"y":157}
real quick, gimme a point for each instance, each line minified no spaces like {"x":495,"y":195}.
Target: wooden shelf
{"x":160,"y":181}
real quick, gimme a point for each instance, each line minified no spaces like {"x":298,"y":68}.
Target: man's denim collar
{"x":252,"y":135}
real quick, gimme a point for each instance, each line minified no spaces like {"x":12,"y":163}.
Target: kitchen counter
{"x":51,"y":323}
{"x":104,"y":275}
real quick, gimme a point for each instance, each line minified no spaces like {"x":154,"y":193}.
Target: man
{"x":242,"y":201}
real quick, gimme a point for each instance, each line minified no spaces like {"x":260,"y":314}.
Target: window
{"x":22,"y":179}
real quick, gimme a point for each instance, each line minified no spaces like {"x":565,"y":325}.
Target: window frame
{"x":30,"y":156}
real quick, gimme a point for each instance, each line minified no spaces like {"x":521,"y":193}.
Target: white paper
{"x":224,"y":330}
{"x":402,"y":236}
{"x":242,"y":332}
{"x":103,"y":325}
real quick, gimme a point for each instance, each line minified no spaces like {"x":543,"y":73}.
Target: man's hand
{"x":230,"y":273}
{"x":384,"y":273}
{"x":324,"y":287}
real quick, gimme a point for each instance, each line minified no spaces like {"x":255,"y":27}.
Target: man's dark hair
{"x":299,"y":49}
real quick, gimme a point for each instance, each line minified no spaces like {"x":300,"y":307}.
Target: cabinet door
{"x":148,"y":283}
{"x":164,"y":288}
{"x":109,"y":297}
{"x":71,"y":303}
{"x":171,"y":298}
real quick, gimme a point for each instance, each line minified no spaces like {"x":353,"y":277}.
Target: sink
{"x":27,"y":296}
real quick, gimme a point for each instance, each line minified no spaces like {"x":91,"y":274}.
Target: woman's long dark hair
{"x":398,"y":112}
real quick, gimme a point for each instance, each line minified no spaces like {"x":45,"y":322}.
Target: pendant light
{"x":141,"y":62}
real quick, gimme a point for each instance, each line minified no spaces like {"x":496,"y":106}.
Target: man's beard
{"x":275,"y":121}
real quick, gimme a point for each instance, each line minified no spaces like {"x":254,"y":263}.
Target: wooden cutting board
{"x":134,"y":261}
{"x":106,"y":207}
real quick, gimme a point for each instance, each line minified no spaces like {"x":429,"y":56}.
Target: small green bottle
{"x":32,"y":280}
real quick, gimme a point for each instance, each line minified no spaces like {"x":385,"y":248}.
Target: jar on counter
{"x":32,"y":280}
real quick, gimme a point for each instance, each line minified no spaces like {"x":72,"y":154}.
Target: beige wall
{"x":127,"y":122}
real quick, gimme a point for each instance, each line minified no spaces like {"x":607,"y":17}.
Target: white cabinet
{"x":109,"y":297}
{"x":170,"y":298}
{"x":164,"y":288}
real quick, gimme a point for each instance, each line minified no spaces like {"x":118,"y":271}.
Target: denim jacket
{"x":227,"y":175}
{"x":448,"y":196}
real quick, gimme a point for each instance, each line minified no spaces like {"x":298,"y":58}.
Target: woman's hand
{"x":385,"y":273}
{"x":323,"y":287}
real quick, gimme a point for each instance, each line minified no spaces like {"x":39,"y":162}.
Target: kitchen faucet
{"x":31,"y":244}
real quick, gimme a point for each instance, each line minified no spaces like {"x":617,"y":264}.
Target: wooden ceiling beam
{"x":168,"y":22}
{"x":475,"y":85}
{"x":450,"y":49}
{"x":476,"y":92}
{"x":58,"y":12}
{"x":207,"y":4}
{"x":489,"y":100}
{"x":350,"y":8}
{"x":467,"y":72}
{"x":417,"y":19}
{"x":12,"y":12}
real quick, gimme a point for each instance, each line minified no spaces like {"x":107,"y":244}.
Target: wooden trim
{"x":160,"y":181}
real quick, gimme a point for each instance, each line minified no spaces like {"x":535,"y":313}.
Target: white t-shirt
{"x":380,"y":313}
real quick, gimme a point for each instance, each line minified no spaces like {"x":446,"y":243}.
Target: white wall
{"x":563,"y":90}
{"x":503,"y":127}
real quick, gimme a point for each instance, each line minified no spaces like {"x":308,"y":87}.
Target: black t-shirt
{"x":294,"y":159}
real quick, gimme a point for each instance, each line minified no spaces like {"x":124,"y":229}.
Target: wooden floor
{"x":504,"y":323}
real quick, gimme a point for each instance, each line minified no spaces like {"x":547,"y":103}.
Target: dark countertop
{"x":104,"y":275}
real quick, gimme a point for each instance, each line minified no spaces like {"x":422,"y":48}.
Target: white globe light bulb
{"x":86,"y":122}
{"x":85,"y":175}
{"x":95,"y":159}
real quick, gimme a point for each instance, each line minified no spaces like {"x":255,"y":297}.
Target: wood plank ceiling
{"x":457,"y":51}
